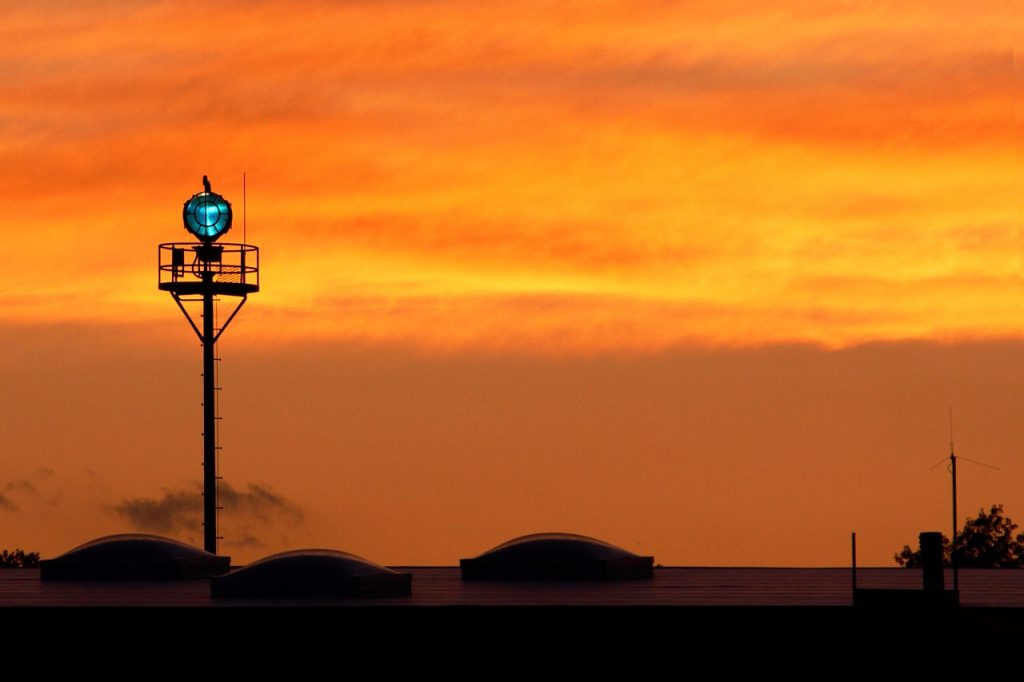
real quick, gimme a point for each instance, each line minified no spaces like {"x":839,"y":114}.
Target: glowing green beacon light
{"x":207,"y":215}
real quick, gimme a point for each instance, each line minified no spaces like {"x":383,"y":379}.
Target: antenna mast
{"x":952,"y":469}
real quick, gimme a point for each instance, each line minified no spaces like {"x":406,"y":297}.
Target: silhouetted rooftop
{"x":442,"y":586}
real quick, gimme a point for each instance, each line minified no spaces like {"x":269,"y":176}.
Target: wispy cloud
{"x":260,"y":503}
{"x":175,"y":510}
{"x":246,"y":513}
{"x":24,"y":490}
{"x":244,"y":540}
{"x":22,"y":485}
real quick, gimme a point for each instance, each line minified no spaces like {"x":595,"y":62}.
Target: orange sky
{"x":548,"y":240}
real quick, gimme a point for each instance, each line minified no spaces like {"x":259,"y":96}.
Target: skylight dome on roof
{"x":319,"y":573}
{"x":556,"y":556}
{"x":133,"y":557}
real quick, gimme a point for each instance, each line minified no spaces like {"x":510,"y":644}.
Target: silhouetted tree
{"x":19,"y":558}
{"x":986,"y":541}
{"x":911,"y":558}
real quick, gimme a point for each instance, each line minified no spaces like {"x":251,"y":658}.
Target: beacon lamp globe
{"x":207,"y":215}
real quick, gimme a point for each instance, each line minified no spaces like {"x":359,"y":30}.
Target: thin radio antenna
{"x":950,"y":421}
{"x":952,"y":470}
{"x":244,"y":242}
{"x":952,"y":542}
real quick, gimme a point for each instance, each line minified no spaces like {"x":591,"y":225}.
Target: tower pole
{"x":209,"y":422}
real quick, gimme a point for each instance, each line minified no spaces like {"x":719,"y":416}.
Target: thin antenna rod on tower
{"x":950,"y":427}
{"x":243,"y":208}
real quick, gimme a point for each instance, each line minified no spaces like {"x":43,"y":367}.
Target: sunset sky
{"x":700,"y":279}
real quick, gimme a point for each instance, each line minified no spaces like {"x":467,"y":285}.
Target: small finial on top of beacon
{"x":206,"y":185}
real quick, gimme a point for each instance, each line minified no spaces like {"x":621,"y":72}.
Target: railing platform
{"x":194,"y":268}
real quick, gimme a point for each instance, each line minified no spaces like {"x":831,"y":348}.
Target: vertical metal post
{"x":209,"y":422}
{"x":853,"y":562}
{"x":952,"y":549}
